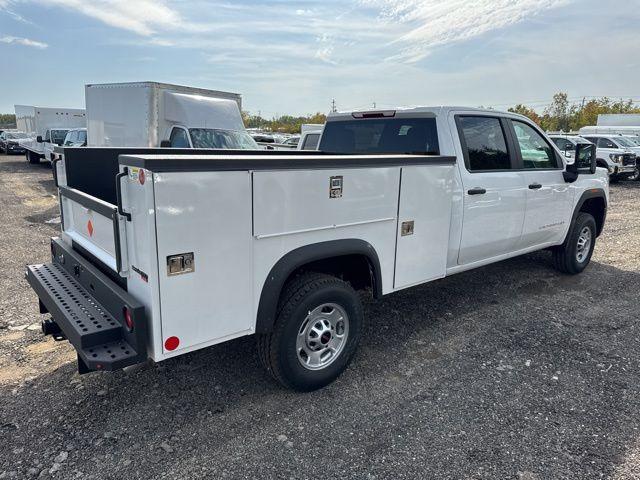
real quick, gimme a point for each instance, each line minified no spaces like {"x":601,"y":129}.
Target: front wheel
{"x":316,"y":333}
{"x":635,"y":176}
{"x":575,"y":253}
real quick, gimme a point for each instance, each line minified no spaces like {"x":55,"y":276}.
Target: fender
{"x":587,"y":195}
{"x":267,"y":307}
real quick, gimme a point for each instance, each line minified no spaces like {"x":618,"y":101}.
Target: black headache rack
{"x":89,"y":310}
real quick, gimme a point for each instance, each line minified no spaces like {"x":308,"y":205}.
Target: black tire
{"x":301,"y":296}
{"x":566,"y":257}
{"x":635,"y":176}
{"x":34,"y":158}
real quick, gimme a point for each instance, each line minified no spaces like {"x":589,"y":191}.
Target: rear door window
{"x":484,"y":143}
{"x":384,"y":135}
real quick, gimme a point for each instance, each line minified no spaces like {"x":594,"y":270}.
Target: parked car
{"x":616,"y":154}
{"x":161,"y":255}
{"x":10,"y":141}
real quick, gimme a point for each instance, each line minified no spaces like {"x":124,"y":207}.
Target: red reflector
{"x":171,"y":343}
{"x":141,"y":176}
{"x":90,"y":228}
{"x":128,"y":319}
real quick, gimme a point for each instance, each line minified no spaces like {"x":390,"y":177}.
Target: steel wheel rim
{"x":322,"y":336}
{"x":584,"y":244}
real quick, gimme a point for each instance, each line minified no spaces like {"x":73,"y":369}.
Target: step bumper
{"x":89,"y":308}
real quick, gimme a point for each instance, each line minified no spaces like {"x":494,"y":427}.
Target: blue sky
{"x":294,"y":57}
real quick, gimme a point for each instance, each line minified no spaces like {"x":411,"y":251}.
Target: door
{"x":549,"y":197}
{"x":493,"y":191}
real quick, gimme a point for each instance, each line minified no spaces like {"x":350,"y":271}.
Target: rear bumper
{"x":88,"y":308}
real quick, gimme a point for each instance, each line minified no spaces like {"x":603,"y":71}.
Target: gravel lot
{"x":512,"y":371}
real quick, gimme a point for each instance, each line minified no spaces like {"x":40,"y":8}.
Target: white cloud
{"x":427,"y":24}
{"x":27,"y":42}
{"x":144,"y":17}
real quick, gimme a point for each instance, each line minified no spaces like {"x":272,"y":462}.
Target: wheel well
{"x":355,"y":269}
{"x":601,"y":163}
{"x":597,"y":208}
{"x":352,"y":260}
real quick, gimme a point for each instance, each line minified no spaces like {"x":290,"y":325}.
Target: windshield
{"x":625,"y":142}
{"x":16,"y":135}
{"x":385,"y":135}
{"x":57,"y":136}
{"x":225,"y":139}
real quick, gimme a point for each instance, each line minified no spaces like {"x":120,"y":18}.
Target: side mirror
{"x":584,"y":163}
{"x":39,"y":139}
{"x":165,"y":144}
{"x":586,"y":158}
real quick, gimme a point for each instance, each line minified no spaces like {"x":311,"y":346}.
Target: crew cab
{"x":616,"y":154}
{"x":167,"y":251}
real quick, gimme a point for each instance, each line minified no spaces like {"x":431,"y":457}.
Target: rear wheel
{"x":575,"y":253}
{"x":316,"y":333}
{"x":33,"y":157}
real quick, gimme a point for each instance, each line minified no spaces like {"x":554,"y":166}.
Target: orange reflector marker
{"x":141,"y":176}
{"x":90,"y":228}
{"x":171,"y":343}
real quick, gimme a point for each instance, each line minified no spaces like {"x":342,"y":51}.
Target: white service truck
{"x":166,"y":252}
{"x":152,"y":114}
{"x":46,"y":128}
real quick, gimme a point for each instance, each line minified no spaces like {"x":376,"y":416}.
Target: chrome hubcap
{"x":584,"y":245}
{"x":322,"y":336}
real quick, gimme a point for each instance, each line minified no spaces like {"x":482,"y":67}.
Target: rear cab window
{"x":381,"y":135}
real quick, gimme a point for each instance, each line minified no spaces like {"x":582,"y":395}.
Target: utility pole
{"x":333,"y":105}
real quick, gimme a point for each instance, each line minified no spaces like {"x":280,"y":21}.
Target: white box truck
{"x":151,"y":114}
{"x":46,"y":128}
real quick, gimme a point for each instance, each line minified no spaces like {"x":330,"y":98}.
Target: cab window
{"x":563,"y":144}
{"x":606,"y":143}
{"x":535,"y":151}
{"x":179,"y":138}
{"x":484,"y":143}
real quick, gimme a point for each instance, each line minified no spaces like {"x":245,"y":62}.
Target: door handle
{"x":535,"y":186}
{"x":477,"y":191}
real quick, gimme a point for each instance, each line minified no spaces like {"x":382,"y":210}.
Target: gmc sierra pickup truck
{"x":164,"y":251}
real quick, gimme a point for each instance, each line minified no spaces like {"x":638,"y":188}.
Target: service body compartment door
{"x":423,"y":224}
{"x":203,"y":220}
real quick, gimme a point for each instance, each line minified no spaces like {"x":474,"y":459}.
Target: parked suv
{"x":9,"y":142}
{"x":616,"y":154}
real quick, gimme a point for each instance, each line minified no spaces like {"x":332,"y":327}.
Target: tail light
{"x":128,"y":319}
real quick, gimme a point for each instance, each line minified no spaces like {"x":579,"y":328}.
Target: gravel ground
{"x":512,"y":371}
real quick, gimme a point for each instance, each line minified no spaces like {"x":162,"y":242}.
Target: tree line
{"x":282,"y":124}
{"x":7,"y":119}
{"x":563,"y":115}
